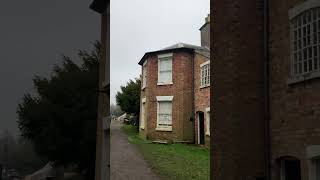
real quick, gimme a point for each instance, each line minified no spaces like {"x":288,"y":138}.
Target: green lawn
{"x":173,"y":161}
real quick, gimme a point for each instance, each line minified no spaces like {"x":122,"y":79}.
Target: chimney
{"x":208,"y":18}
{"x":205,"y":33}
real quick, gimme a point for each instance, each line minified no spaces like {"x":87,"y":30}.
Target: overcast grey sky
{"x":33,"y":35}
{"x":138,"y":26}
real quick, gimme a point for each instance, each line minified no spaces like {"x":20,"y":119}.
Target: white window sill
{"x":142,"y":127}
{"x":162,"y":84}
{"x":164,"y":129}
{"x":301,"y":78}
{"x":208,"y":134}
{"x":204,"y":86}
{"x":143,"y":87}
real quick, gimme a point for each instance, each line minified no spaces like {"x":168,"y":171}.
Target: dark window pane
{"x":310,"y":64}
{"x":300,"y":55}
{"x":305,"y":54}
{"x":299,"y":33}
{"x":299,"y":44}
{"x":295,"y":68}
{"x":300,"y":68}
{"x":305,"y":66}
{"x":299,"y":21}
{"x":310,"y":52}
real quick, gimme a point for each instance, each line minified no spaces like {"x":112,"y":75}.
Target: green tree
{"x":60,"y":119}
{"x":129,"y":97}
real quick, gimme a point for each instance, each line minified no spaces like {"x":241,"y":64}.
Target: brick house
{"x":266,"y":90}
{"x":175,"y":92}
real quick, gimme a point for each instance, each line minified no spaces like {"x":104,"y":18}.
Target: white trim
{"x":145,"y":62}
{"x":160,"y":99}
{"x":313,"y":151}
{"x":165,"y":55}
{"x":144,"y":69}
{"x":208,"y":121}
{"x":143,"y":113}
{"x":205,"y":63}
{"x":159,"y":59}
{"x":161,"y":83}
{"x":202,"y":85}
{"x":169,"y":128}
{"x":164,"y":98}
{"x":293,"y":12}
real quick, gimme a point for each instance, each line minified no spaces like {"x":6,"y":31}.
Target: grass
{"x":173,"y":161}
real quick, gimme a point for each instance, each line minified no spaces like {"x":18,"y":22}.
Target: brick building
{"x":175,"y":92}
{"x":266,"y":90}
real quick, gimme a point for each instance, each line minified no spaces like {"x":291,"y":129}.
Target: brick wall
{"x":181,"y":90}
{"x":202,"y":96}
{"x":236,"y":86}
{"x":295,"y":109}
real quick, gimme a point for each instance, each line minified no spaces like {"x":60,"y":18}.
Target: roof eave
{"x":204,"y":25}
{"x":162,"y":51}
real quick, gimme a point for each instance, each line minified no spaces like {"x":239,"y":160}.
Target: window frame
{"x":313,"y":155}
{"x":202,"y":84}
{"x":161,"y":57}
{"x":143,"y":113}
{"x":208,"y":121}
{"x":164,"y":99}
{"x":144,"y":75}
{"x":293,"y":13}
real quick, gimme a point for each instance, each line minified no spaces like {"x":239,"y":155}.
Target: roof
{"x":178,"y":46}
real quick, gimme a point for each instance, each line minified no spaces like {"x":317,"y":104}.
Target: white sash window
{"x":205,"y":74}
{"x":165,"y":69}
{"x":164,"y":113}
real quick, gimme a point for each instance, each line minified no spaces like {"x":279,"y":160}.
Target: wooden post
{"x":103,"y":132}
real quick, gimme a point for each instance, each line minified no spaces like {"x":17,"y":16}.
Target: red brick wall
{"x":236,"y":92}
{"x":202,"y":96}
{"x":181,"y":90}
{"x":295,"y":109}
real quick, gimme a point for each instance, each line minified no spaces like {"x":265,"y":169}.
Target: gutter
{"x":266,"y":95}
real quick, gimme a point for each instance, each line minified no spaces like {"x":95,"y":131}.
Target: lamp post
{"x":102,"y":166}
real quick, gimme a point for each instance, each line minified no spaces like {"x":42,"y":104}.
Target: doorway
{"x":201,"y":132}
{"x":290,"y":169}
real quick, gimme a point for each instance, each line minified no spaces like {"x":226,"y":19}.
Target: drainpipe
{"x":266,"y":110}
{"x":193,"y":99}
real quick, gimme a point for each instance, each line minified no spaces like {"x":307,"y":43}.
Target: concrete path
{"x":126,"y":161}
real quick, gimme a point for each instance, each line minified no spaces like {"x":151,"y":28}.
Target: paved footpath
{"x":127,"y":162}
